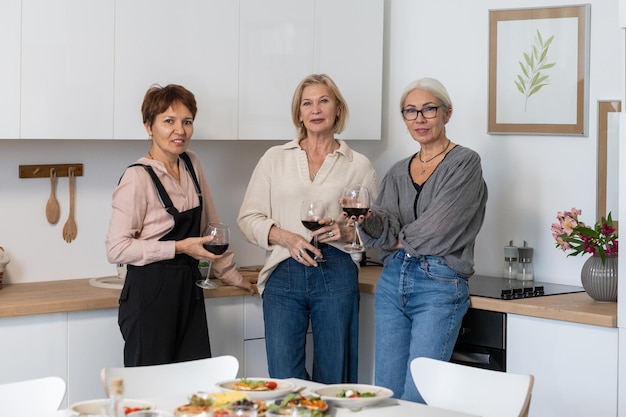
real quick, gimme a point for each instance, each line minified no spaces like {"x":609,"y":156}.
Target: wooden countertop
{"x":77,"y":295}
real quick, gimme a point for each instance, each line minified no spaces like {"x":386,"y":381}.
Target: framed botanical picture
{"x":539,"y":70}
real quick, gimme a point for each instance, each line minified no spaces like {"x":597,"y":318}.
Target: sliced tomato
{"x":271,"y":385}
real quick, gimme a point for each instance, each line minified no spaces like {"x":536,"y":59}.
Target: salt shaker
{"x":525,"y":265}
{"x":510,"y":261}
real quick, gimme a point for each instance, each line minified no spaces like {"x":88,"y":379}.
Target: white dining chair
{"x":472,"y":390}
{"x":31,"y":396}
{"x":174,"y":378}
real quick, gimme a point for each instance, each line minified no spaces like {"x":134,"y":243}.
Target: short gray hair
{"x":431,"y":85}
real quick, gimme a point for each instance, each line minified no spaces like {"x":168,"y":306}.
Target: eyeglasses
{"x":427,"y":112}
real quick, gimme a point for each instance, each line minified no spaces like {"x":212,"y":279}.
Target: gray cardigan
{"x":443,"y":220}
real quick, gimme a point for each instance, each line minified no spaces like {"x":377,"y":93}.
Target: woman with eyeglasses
{"x":425,"y":220}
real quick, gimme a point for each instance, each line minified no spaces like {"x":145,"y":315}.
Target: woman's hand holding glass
{"x":355,"y":202}
{"x":220,"y":234}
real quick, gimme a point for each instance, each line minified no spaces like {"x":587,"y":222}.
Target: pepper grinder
{"x":510,"y":261}
{"x":525,"y":265}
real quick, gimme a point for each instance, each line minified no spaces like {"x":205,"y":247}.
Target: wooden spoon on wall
{"x":53,"y":212}
{"x":70,"y":230}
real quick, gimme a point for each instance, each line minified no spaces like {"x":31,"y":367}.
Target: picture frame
{"x":608,"y":160}
{"x":539,"y":71}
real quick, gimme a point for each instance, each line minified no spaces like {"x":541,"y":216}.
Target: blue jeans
{"x":418,"y":308}
{"x":329,"y":296}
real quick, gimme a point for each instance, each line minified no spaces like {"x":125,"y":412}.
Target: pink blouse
{"x":139,"y":219}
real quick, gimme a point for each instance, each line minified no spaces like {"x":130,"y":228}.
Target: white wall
{"x":530,"y":178}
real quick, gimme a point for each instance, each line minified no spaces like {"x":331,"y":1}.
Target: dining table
{"x":389,"y":407}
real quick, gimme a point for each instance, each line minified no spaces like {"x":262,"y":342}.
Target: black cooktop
{"x":505,"y":289}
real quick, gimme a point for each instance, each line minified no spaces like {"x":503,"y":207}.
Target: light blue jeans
{"x":328,"y":296}
{"x":418,"y":308}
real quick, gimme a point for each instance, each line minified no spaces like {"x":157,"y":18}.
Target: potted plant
{"x":599,"y":272}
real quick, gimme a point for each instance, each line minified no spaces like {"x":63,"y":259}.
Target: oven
{"x":482,"y":338}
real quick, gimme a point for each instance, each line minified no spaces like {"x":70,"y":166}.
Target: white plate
{"x":329,"y":393}
{"x":282,"y":388}
{"x":92,"y":407}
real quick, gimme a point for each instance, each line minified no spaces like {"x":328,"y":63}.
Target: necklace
{"x":419,"y":156}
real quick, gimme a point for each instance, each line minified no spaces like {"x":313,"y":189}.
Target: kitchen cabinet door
{"x":94,"y":342}
{"x":10,"y":36}
{"x":276,"y":53}
{"x":225,"y":319}
{"x":575,"y":365}
{"x":67,"y":69}
{"x":33,"y":347}
{"x":283,"y":41}
{"x":193,"y":43}
{"x":350,"y":50}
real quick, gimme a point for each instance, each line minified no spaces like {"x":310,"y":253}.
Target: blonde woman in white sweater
{"x":296,"y":289}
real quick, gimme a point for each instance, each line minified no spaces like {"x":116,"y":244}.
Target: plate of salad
{"x":353,"y":396}
{"x":257,"y":388}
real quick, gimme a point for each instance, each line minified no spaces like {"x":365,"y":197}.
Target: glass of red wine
{"x":311,"y":212}
{"x":219,"y":244}
{"x":355,"y":201}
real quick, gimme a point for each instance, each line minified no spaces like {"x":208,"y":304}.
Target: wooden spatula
{"x":70,"y":230}
{"x":53,"y":211}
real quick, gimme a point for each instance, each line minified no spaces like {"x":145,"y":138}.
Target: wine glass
{"x":355,"y":201}
{"x":219,"y":244}
{"x":311,"y":212}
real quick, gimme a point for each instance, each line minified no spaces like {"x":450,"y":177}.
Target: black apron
{"x":162,"y":315}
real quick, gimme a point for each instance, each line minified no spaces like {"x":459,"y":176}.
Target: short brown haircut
{"x":158,"y":99}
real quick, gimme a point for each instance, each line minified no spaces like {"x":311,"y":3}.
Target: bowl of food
{"x":353,"y":396}
{"x":95,"y":407}
{"x":298,"y":404}
{"x":257,"y":388}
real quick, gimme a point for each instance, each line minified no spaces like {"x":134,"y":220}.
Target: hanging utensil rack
{"x":43,"y":171}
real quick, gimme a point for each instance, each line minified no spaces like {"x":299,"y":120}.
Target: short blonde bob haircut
{"x":315,"y":79}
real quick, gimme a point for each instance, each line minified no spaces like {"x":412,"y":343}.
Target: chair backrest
{"x":174,"y":378}
{"x":472,"y":390}
{"x":31,"y":397}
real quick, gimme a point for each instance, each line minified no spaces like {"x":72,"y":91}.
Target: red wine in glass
{"x":219,"y":245}
{"x":311,"y":212}
{"x":355,"y":201}
{"x":356,"y":212}
{"x":216,"y":249}
{"x":311,"y":224}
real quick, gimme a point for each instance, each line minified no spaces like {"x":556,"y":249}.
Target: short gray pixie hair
{"x":431,"y":85}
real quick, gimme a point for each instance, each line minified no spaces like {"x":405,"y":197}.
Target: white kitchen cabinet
{"x":276,"y":52}
{"x":33,"y":347}
{"x":10,"y":36}
{"x":67,"y":69}
{"x":226,"y":324}
{"x":575,"y":365}
{"x":283,"y":41}
{"x":352,"y":54}
{"x":189,"y":42}
{"x":94,"y":342}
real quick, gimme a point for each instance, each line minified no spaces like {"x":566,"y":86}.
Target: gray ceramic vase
{"x":600,"y":279}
